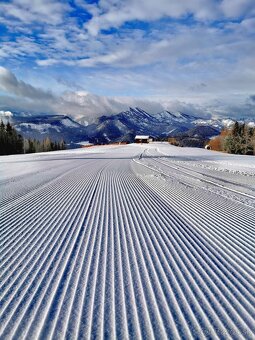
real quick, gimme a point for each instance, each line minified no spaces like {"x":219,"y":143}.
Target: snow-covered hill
{"x":56,"y":126}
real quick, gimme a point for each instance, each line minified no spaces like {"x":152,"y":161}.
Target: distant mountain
{"x":197,"y":136}
{"x":125,"y":125}
{"x":201,"y":131}
{"x":177,"y":117}
{"x":39,"y":127}
{"x":176,"y":122}
{"x":116,"y":128}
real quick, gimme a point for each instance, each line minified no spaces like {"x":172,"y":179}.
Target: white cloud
{"x":237,"y":8}
{"x":36,"y":11}
{"x":80,"y":105}
{"x":94,"y":106}
{"x":84,"y":106}
{"x":19,"y":48}
{"x":192,"y":51}
{"x":10,"y":84}
{"x":109,"y":14}
{"x":164,"y":61}
{"x":110,"y":59}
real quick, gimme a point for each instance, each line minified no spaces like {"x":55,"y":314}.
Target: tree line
{"x":239,"y":139}
{"x":11,"y":142}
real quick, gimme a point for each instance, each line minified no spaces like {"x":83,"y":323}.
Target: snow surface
{"x":139,"y":241}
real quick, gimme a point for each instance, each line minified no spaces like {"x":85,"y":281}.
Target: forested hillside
{"x":11,"y":142}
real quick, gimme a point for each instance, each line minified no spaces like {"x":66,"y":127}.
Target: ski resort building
{"x":143,"y":139}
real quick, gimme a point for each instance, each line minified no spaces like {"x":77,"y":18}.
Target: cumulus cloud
{"x":187,"y":45}
{"x":36,"y":11}
{"x":107,"y":14}
{"x":235,"y":8}
{"x":65,"y":42}
{"x":94,"y":106}
{"x":195,"y":56}
{"x":18,"y":95}
{"x":86,"y":107}
{"x":9,"y":83}
{"x":197,"y":110}
{"x":81,"y":105}
{"x":252,"y":98}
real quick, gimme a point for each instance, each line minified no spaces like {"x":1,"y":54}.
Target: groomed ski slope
{"x":139,"y":241}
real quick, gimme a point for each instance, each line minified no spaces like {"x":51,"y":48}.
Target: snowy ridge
{"x":115,"y":128}
{"x":178,"y":117}
{"x":127,"y":242}
{"x":42,"y":128}
{"x":56,"y":127}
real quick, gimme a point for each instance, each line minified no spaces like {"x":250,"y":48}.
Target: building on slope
{"x":143,"y":139}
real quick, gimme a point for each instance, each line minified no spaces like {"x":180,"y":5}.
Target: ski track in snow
{"x":126,"y":242}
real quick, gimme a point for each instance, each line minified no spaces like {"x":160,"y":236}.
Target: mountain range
{"x":57,"y":127}
{"x":116,"y":128}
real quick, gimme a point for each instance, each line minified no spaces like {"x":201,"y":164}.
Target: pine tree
{"x":12,"y":143}
{"x":62,"y":145}
{"x":240,"y":140}
{"x":3,"y":139}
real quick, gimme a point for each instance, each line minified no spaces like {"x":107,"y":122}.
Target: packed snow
{"x":137,"y":241}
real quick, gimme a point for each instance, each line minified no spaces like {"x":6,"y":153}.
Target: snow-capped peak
{"x":69,"y":123}
{"x":137,"y":113}
{"x":174,"y":116}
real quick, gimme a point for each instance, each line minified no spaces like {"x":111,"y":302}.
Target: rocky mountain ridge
{"x":116,"y":128}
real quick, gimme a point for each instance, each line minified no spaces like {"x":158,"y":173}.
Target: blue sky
{"x":87,"y":58}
